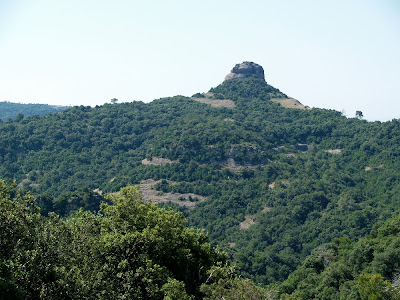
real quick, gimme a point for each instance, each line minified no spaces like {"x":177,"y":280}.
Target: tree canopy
{"x":131,"y":249}
{"x":269,"y":184}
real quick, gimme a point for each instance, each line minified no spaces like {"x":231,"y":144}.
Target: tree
{"x":114,"y":100}
{"x":237,"y":289}
{"x":359,"y":114}
{"x":19,"y":117}
{"x":375,"y":287}
{"x":130,"y":250}
{"x":151,"y":249}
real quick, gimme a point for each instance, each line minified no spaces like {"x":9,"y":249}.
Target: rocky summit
{"x":246,"y":69}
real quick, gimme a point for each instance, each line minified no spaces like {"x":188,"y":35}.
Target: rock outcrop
{"x":246,"y":69}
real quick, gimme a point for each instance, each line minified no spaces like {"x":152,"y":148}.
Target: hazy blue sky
{"x":339,"y":54}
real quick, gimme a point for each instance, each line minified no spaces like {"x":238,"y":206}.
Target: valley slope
{"x":268,"y":183}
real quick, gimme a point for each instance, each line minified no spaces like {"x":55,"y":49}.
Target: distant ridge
{"x":11,"y":110}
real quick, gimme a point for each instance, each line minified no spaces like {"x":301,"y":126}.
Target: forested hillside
{"x":19,"y":110}
{"x":269,"y":184}
{"x":344,"y":269}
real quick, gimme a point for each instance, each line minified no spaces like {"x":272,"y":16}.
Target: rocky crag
{"x":246,"y":69}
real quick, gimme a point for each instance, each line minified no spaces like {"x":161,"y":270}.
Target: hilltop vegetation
{"x":278,"y":183}
{"x":19,"y":110}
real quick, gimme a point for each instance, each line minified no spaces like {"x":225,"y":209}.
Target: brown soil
{"x":26,"y":179}
{"x":289,"y":103}
{"x":98,"y":191}
{"x":266,"y":209}
{"x":371,"y":168}
{"x":158,"y":161}
{"x":334,"y":151}
{"x":149,"y":193}
{"x":215,"y":102}
{"x":249,"y":221}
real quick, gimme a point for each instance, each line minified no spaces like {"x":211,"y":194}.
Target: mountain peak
{"x":246,"y":69}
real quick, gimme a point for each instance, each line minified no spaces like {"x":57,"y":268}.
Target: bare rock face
{"x":246,"y":69}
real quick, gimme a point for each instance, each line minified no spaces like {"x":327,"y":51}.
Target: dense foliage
{"x":130,"y":250}
{"x":279,"y":182}
{"x":342,"y":269}
{"x":18,"y":110}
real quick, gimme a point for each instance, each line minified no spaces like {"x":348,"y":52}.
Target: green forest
{"x":10,"y":110}
{"x":252,"y":201}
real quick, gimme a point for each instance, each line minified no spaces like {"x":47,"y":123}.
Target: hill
{"x":270,"y":184}
{"x":18,"y":110}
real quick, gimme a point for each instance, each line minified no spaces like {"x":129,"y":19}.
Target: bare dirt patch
{"x":21,"y":184}
{"x":231,"y":165}
{"x":266,"y":209}
{"x":234,"y":167}
{"x":27,"y":180}
{"x":249,"y":221}
{"x":283,"y":182}
{"x":98,"y":191}
{"x":334,"y":151}
{"x":214,"y":102}
{"x":289,"y":103}
{"x":150,"y":193}
{"x":158,"y":161}
{"x":377,"y":167}
{"x":278,"y":148}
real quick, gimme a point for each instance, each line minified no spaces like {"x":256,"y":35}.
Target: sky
{"x":338,"y":54}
